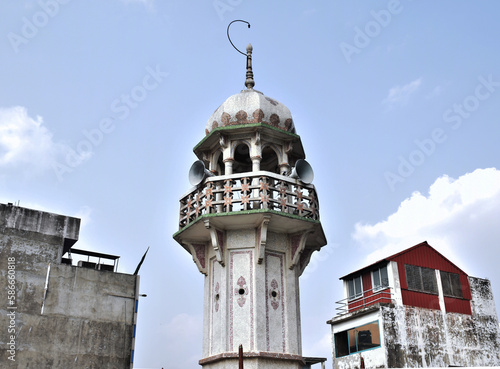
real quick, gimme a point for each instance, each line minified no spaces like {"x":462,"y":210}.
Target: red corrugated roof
{"x":392,"y":257}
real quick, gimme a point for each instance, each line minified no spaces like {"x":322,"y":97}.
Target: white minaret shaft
{"x":251,"y":231}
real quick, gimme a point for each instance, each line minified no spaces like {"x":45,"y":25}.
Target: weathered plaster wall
{"x":476,"y":342}
{"x":88,"y":315}
{"x":417,"y":337}
{"x":414,"y":337}
{"x":251,"y":303}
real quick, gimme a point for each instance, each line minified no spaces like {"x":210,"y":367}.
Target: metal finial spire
{"x":249,"y":82}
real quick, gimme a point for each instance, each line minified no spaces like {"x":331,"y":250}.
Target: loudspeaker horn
{"x":303,"y":171}
{"x":198,"y":172}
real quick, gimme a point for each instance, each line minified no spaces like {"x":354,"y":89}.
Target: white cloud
{"x":26,"y":143}
{"x":458,"y":217}
{"x":400,"y":95}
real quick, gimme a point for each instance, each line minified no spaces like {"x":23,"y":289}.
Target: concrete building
{"x":415,"y":309}
{"x":55,"y":314}
{"x":251,"y":224}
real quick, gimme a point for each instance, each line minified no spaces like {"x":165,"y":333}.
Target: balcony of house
{"x":249,"y":192}
{"x":364,"y":300}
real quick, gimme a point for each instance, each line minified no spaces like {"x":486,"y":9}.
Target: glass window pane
{"x":341,"y":344}
{"x":350,"y":285}
{"x":445,"y":281}
{"x":456,"y":286}
{"x":368,"y":336}
{"x":429,"y":280}
{"x":357,"y":286}
{"x":384,"y":277}
{"x":413,"y":277}
{"x":352,"y":340}
{"x":376,"y":279}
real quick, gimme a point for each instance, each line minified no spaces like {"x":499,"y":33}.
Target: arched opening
{"x":242,"y":162}
{"x":269,"y":160}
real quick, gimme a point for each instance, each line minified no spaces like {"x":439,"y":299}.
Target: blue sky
{"x":396,"y":103}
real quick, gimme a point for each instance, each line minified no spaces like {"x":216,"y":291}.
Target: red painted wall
{"x":419,"y":299}
{"x":421,"y":255}
{"x":425,"y":256}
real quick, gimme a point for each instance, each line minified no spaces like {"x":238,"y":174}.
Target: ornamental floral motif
{"x":241,"y":291}
{"x":274,"y":294}
{"x":237,"y":195}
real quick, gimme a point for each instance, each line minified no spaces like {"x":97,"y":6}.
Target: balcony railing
{"x":370,"y":297}
{"x":249,"y":191}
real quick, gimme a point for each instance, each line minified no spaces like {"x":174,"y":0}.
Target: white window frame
{"x":381,"y":287}
{"x":356,"y":295}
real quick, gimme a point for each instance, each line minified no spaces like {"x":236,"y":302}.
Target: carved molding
{"x":257,"y":138}
{"x":305,"y":257}
{"x":217,"y":241}
{"x":199,"y":253}
{"x":223,"y":141}
{"x":297,"y":243}
{"x":262,"y":238}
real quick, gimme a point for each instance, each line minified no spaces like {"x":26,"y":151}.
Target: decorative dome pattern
{"x":251,"y":106}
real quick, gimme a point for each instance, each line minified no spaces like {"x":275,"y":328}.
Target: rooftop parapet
{"x":40,"y":222}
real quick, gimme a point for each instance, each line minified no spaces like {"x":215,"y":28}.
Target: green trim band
{"x":246,"y":212}
{"x":251,"y":125}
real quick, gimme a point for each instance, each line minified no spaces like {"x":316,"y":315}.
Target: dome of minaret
{"x":251,"y":106}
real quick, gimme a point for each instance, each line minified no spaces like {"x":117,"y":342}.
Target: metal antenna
{"x":229,"y":38}
{"x":249,"y":82}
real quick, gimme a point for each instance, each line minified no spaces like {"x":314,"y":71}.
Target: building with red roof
{"x":415,"y":308}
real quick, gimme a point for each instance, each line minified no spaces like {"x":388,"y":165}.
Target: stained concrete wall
{"x":417,"y":337}
{"x":88,"y":314}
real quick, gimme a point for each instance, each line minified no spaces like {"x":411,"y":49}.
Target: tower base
{"x":254,"y":360}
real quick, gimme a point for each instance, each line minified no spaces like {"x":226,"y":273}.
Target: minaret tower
{"x":251,"y":223}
